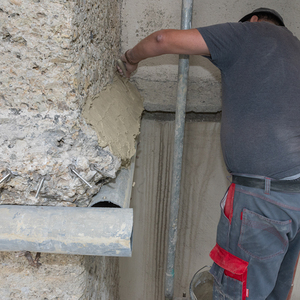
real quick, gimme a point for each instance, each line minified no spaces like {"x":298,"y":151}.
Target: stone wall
{"x":54,"y":55}
{"x":60,"y":277}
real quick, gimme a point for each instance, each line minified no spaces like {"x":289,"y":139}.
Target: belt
{"x":268,"y":184}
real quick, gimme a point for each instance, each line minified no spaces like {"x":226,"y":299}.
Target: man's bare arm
{"x":167,"y":41}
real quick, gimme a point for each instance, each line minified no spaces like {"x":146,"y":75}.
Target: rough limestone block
{"x":19,"y":280}
{"x":55,"y":56}
{"x":36,"y":145}
{"x":62,"y":277}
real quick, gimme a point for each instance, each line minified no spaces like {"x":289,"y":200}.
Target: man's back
{"x":260,"y":65}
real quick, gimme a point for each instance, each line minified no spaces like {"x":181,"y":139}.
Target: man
{"x":258,"y":237}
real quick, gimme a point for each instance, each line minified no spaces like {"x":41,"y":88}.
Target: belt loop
{"x":267,"y":185}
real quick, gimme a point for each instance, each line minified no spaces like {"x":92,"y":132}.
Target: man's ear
{"x":254,"y":18}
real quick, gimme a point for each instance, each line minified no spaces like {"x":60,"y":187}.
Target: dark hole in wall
{"x":105,"y":204}
{"x":103,"y":181}
{"x":189,"y":116}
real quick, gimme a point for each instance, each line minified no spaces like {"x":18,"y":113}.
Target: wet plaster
{"x":115,"y":115}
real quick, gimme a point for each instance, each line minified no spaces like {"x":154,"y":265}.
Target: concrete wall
{"x":204,"y":176}
{"x":156,"y":77}
{"x":204,"y":182}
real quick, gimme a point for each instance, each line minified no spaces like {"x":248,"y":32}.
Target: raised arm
{"x":167,"y":41}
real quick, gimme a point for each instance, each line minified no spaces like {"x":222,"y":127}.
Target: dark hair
{"x":267,"y":16}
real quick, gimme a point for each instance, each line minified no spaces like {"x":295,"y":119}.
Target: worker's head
{"x":264,"y":14}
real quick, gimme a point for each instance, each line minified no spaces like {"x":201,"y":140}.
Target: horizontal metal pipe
{"x":118,"y":191}
{"x":67,"y":230}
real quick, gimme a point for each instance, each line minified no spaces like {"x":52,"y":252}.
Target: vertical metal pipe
{"x":183,"y":70}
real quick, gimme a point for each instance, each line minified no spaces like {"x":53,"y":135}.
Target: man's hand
{"x":126,"y":67}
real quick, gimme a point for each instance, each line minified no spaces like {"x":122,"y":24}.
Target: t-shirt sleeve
{"x":224,"y":42}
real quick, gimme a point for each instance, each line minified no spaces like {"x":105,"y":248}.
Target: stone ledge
{"x":204,"y":95}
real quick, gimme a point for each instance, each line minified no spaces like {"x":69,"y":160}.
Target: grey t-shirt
{"x":260,"y":67}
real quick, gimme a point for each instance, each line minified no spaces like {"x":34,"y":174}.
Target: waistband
{"x":268,"y":184}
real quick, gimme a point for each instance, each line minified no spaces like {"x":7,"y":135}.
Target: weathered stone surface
{"x":55,"y":53}
{"x":95,"y":40}
{"x":19,"y":280}
{"x":62,"y":277}
{"x":37,"y":62}
{"x":46,"y":144}
{"x":53,"y":56}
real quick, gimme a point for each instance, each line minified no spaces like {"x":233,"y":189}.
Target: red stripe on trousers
{"x":228,"y":209}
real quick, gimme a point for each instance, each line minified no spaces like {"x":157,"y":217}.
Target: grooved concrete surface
{"x":204,"y":183}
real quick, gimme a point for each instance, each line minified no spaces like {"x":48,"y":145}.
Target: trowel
{"x":122,"y":66}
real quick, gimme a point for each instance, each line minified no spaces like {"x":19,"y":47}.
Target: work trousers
{"x":258,"y":243}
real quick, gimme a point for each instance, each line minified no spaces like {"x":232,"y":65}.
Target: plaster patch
{"x":115,"y":115}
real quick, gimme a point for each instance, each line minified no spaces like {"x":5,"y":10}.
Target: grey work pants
{"x":258,"y":243}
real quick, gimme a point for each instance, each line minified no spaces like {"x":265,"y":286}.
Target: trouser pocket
{"x":230,"y":274}
{"x":263,"y":238}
